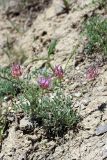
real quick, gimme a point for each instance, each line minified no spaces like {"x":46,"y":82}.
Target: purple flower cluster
{"x":92,"y":72}
{"x":16,"y":70}
{"x":45,"y":82}
{"x":58,"y":71}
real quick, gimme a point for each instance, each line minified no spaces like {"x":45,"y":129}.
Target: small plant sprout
{"x":92,"y":72}
{"x":16,"y":70}
{"x":44,"y":82}
{"x":51,"y":49}
{"x":58,"y":71}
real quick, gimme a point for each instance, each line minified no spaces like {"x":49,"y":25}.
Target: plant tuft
{"x":96,"y":33}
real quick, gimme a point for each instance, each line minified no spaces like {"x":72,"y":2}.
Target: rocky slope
{"x":29,"y":36}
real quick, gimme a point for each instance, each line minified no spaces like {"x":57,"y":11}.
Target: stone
{"x":59,"y":7}
{"x":10,"y":118}
{"x":50,"y":13}
{"x":78,"y":94}
{"x":85,"y":101}
{"x":25,"y":124}
{"x":101,"y":129}
{"x":56,"y":9}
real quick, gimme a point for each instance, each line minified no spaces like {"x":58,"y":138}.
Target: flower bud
{"x":92,"y":72}
{"x":16,"y":70}
{"x":44,"y":82}
{"x":58,"y":71}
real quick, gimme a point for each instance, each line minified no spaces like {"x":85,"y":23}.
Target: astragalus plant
{"x":44,"y":100}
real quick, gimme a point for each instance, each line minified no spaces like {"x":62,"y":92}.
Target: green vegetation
{"x":100,"y":3}
{"x":43,"y":101}
{"x":96,"y":33}
{"x":57,"y":114}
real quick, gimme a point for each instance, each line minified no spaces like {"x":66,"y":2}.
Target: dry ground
{"x":29,"y":33}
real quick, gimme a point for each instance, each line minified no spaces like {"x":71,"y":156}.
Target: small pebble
{"x":25,"y":124}
{"x":101,"y":129}
{"x":78,"y":94}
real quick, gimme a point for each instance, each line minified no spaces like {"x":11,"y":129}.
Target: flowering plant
{"x":45,"y":100}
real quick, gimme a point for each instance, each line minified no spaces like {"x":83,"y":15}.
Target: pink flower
{"x":44,"y":82}
{"x":92,"y":72}
{"x":58,"y":71}
{"x":16,"y":70}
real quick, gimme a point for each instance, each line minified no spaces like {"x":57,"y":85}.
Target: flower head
{"x":16,"y":70}
{"x":44,"y":82}
{"x":92,"y":72}
{"x":58,"y":71}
